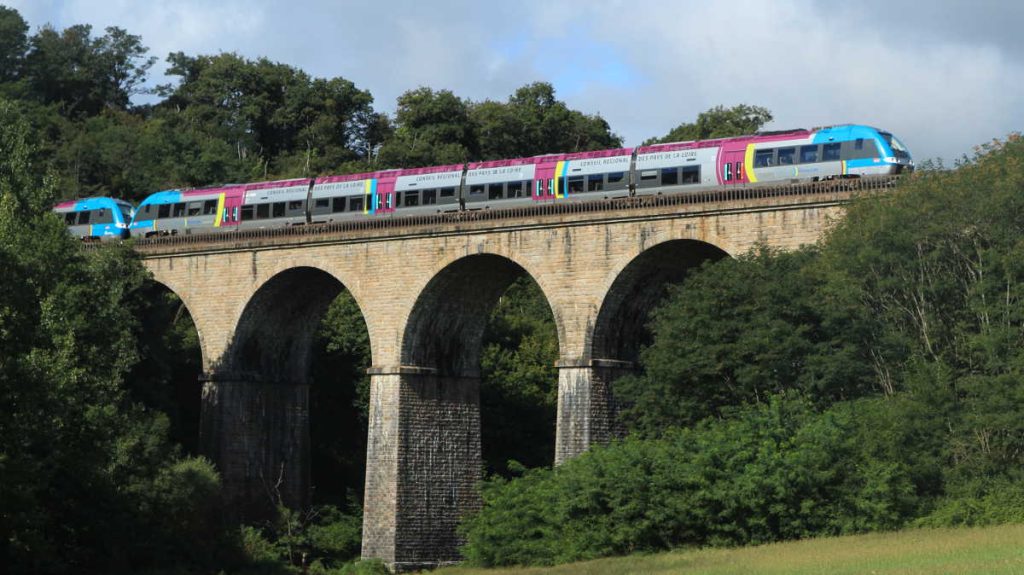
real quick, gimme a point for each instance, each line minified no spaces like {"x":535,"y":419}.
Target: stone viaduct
{"x":425,"y":287}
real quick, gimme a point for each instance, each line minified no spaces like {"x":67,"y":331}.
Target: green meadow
{"x":964,"y":551}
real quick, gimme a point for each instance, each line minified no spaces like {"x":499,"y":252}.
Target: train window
{"x":388,"y":198}
{"x":649,"y":175}
{"x":70,"y":218}
{"x":539,"y":191}
{"x":739,"y":170}
{"x":575,"y":185}
{"x":103,"y":216}
{"x":209,"y":207}
{"x":669,"y":176}
{"x":338,"y":205}
{"x":616,"y":177}
{"x":412,"y":198}
{"x":84,"y":217}
{"x":560,"y":186}
{"x":323,"y":203}
{"x":691,"y":175}
{"x":830,"y":153}
{"x":278,"y":209}
{"x":727,"y":172}
{"x":858,"y":149}
{"x":787,"y":156}
{"x":179,"y":210}
{"x":145,"y":209}
{"x":429,"y":197}
{"x":476,"y":189}
{"x":496,"y":192}
{"x":295,"y":205}
{"x":447,"y":192}
{"x":234,"y":213}
{"x":262,"y":211}
{"x":247,"y":213}
{"x":595,"y":182}
{"x":515,"y":189}
{"x":808,"y":154}
{"x":164,"y":211}
{"x":763,"y":158}
{"x":355,"y":204}
{"x":195,"y":208}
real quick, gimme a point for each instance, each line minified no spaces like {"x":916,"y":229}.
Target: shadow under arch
{"x":256,"y":416}
{"x":171,"y":359}
{"x":620,"y":330}
{"x":445,"y":329}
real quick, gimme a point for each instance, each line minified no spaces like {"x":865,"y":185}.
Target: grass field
{"x":980,"y":551}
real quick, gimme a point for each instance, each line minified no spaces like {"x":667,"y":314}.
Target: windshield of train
{"x":897,"y":146}
{"x":126,"y":211}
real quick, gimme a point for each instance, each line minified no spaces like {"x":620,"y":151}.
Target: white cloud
{"x":934,"y":79}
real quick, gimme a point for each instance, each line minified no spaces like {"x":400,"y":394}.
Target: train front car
{"x":96,"y":218}
{"x":173,"y":212}
{"x":825,"y":153}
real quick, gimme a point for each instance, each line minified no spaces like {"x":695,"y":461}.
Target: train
{"x":840,"y":151}
{"x":97,"y":218}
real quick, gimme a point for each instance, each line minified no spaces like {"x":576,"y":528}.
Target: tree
{"x":718,"y":122}
{"x":86,"y":75}
{"x":13,"y":43}
{"x":738,"y":331}
{"x":534,"y":122}
{"x":90,"y":481}
{"x":275,"y":118}
{"x":431,"y":128}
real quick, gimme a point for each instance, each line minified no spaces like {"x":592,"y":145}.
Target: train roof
{"x":93,"y":203}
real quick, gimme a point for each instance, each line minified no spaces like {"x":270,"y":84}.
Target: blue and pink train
{"x":680,"y":167}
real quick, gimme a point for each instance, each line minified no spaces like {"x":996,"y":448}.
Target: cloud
{"x":944,"y":78}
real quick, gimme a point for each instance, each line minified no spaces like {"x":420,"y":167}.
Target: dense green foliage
{"x":872,"y":382}
{"x":718,"y":122}
{"x":86,"y":468}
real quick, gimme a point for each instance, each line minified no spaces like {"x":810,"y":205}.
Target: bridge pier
{"x":586,"y":405}
{"x":257,"y":434}
{"x":422,"y":465}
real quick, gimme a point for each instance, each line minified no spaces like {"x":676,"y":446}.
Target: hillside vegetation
{"x":871,"y":382}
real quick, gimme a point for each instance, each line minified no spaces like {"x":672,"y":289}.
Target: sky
{"x":943,"y":75}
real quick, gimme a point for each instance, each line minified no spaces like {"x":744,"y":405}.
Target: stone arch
{"x":185,"y":301}
{"x":256,"y":401}
{"x":619,"y":330}
{"x":273,"y":338}
{"x":445,"y":328}
{"x":177,"y":370}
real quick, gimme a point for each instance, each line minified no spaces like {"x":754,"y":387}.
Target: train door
{"x":544,"y":182}
{"x":384,"y":192}
{"x":731,"y":169}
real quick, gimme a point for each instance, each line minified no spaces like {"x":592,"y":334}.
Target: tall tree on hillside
{"x":86,"y":75}
{"x":431,"y":128}
{"x":534,"y":122}
{"x":13,"y":43}
{"x":272,"y":114}
{"x":718,"y":122}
